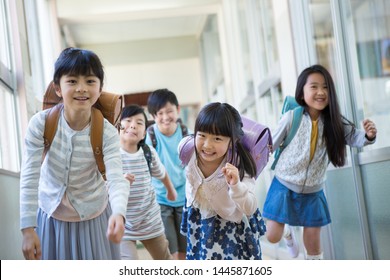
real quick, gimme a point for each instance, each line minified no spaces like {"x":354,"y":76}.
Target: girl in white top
{"x":296,"y":195}
{"x":66,"y":211}
{"x":143,"y":217}
{"x":221,"y":218}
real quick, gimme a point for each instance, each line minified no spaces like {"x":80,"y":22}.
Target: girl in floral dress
{"x":221,"y":219}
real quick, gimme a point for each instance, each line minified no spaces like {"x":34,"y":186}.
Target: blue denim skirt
{"x":296,"y":209}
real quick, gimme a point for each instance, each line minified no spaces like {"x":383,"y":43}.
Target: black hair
{"x":75,"y":62}
{"x":132,"y":110}
{"x":159,"y":98}
{"x":334,"y":134}
{"x":223,"y":119}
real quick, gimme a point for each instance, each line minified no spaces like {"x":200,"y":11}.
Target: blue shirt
{"x":167,"y":151}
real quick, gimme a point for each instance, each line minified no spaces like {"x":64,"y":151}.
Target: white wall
{"x":180,"y":76}
{"x":147,"y":65}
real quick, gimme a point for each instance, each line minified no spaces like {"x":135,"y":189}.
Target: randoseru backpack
{"x":289,"y":104}
{"x":257,"y":140}
{"x":152,"y":135}
{"x":108,"y":106}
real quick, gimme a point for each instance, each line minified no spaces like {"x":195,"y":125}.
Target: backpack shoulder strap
{"x":97,"y":122}
{"x":148,"y":156}
{"x":296,"y":121}
{"x":152,"y":135}
{"x":51,"y":123}
{"x":184,"y":129}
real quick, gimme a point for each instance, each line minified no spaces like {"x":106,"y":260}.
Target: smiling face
{"x":211,"y":148}
{"x":166,"y":118}
{"x":79,"y":93}
{"x":315,"y":94}
{"x":133,"y":129}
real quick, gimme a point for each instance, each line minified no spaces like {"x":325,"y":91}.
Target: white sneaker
{"x":291,"y":242}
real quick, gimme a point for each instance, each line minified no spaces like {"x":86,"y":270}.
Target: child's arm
{"x":231,"y":174}
{"x":242,"y":192}
{"x":116,"y":228}
{"x":31,"y":246}
{"x":360,"y":137}
{"x":370,"y":129}
{"x":171,"y":191}
{"x":129,"y":177}
{"x":281,"y":131}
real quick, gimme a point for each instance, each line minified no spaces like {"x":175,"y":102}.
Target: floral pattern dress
{"x":209,"y":236}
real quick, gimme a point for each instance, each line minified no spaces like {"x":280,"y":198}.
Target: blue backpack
{"x":289,"y":104}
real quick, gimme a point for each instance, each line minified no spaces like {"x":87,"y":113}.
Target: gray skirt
{"x":85,"y":240}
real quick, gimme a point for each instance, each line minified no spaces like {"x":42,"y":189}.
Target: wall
{"x":171,"y":63}
{"x":10,"y":235}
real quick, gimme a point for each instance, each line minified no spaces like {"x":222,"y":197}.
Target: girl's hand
{"x":116,"y":228}
{"x":31,"y":245}
{"x":370,"y":129}
{"x":231,"y":174}
{"x":130,"y":177}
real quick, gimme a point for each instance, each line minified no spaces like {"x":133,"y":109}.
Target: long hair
{"x":75,"y":62}
{"x":334,"y":134}
{"x":223,"y":119}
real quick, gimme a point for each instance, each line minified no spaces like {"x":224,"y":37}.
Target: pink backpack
{"x":257,"y":139}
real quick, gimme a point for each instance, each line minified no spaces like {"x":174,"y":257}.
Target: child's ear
{"x":58,"y":90}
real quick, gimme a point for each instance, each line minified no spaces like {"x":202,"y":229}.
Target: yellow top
{"x":314,"y":136}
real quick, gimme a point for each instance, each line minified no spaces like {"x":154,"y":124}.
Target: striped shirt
{"x":143,"y":217}
{"x":69,"y":168}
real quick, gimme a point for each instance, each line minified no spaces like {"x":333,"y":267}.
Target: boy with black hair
{"x":167,"y":133}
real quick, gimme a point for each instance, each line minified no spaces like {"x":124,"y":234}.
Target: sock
{"x":315,"y":257}
{"x":287,"y":236}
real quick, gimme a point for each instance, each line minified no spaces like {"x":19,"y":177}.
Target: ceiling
{"x":90,"y":22}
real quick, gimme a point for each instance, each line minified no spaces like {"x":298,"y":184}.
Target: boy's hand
{"x":231,"y":174}
{"x":171,"y":193}
{"x":116,"y":228}
{"x":31,"y":246}
{"x":370,"y":129}
{"x":130,"y":177}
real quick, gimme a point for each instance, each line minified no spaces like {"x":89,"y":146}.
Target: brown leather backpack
{"x":108,"y":106}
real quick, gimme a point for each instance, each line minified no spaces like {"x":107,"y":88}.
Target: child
{"x":143,"y":217}
{"x":221,"y":219}
{"x":164,"y":107}
{"x":296,"y":195}
{"x":67,"y":210}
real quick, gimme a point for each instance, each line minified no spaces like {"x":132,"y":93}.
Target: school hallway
{"x":247,"y":53}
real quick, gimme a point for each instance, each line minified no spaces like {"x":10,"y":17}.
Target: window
{"x":9,"y":141}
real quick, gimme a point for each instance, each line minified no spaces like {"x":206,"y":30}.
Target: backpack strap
{"x":152,"y":135}
{"x":184,"y":129}
{"x":51,"y":123}
{"x":296,"y":121}
{"x":148,"y":156}
{"x":97,"y":122}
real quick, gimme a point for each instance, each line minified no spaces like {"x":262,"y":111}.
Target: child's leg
{"x":274,"y":231}
{"x":311,"y":239}
{"x":129,"y":250}
{"x":158,"y":248}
